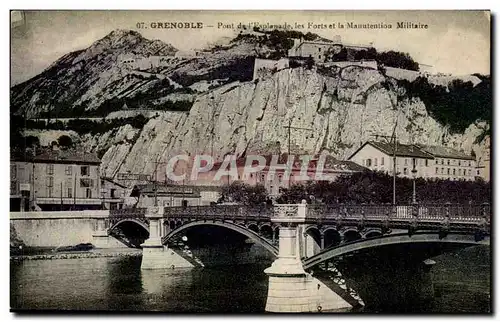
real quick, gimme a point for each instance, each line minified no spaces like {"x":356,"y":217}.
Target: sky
{"x":456,"y":42}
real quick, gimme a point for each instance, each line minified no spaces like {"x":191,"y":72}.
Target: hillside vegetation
{"x":458,"y":105}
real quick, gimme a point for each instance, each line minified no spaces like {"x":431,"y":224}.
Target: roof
{"x":114,"y":182}
{"x":331,"y":163}
{"x":149,"y":188}
{"x":402,"y":150}
{"x":445,"y":152}
{"x":67,"y":156}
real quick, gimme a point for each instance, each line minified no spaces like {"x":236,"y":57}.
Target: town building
{"x":483,"y":163}
{"x":450,"y":163}
{"x":171,"y":195}
{"x":21,"y":181}
{"x":428,"y":161}
{"x":113,"y":193}
{"x":57,"y":180}
{"x":271,"y":177}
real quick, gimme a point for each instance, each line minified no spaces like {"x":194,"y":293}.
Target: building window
{"x":405,"y":171}
{"x":262,"y":177}
{"x":13,"y":187}
{"x":319,"y":49}
{"x":465,"y":172}
{"x":86,"y":183}
{"x":70,"y":193}
{"x":50,"y":169}
{"x":426,"y":162}
{"x":382,"y":161}
{"x":84,"y":170}
{"x":88,"y":193}
{"x":470,"y":172}
{"x":375,"y":162}
{"x":458,"y":162}
{"x":406,"y":161}
{"x":50,"y":191}
{"x":113,"y":192}
{"x":368,"y":162}
{"x":469,"y":163}
{"x":442,"y":170}
{"x":69,"y":170}
{"x":448,"y":168}
{"x":448,"y":162}
{"x":453,"y":171}
{"x":13,"y":172}
{"x":477,"y":172}
{"x":50,"y":181}
{"x":437,"y":170}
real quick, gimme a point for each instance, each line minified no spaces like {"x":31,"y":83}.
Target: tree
{"x":376,"y":188}
{"x":65,"y":141}
{"x":243,"y":193}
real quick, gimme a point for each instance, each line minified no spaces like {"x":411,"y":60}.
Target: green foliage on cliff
{"x":81,"y":126}
{"x":459,"y":105}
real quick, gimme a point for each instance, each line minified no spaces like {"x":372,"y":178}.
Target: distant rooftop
{"x":402,"y":150}
{"x":67,"y":156}
{"x":445,"y":152}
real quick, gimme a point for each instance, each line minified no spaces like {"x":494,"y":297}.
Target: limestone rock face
{"x":339,"y":112}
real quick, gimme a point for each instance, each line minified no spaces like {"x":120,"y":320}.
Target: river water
{"x":461,"y":283}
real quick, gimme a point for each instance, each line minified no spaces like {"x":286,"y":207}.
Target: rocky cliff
{"x":338,"y":112}
{"x":337,"y":109}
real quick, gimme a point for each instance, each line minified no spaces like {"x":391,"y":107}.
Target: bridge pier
{"x":154,"y":254}
{"x":100,"y":237}
{"x":291,"y":288}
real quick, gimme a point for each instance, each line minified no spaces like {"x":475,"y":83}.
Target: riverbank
{"x":95,"y":253}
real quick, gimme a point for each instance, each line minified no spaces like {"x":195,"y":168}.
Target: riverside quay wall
{"x":56,"y":228}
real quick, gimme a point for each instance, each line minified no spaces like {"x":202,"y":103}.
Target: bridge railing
{"x":430,"y":213}
{"x":128,"y":212}
{"x":219,"y":212}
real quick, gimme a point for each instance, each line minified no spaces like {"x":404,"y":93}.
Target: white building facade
{"x":429,"y":162}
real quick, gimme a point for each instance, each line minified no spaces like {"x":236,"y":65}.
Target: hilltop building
{"x":318,"y":49}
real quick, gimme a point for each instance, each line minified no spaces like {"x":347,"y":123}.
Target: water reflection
{"x":461,"y":283}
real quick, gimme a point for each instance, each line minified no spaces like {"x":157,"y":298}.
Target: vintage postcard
{"x":250,"y":161}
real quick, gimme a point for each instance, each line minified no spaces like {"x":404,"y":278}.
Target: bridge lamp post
{"x":414,"y":175}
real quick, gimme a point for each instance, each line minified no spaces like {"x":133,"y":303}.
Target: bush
{"x":65,"y":141}
{"x":376,"y":188}
{"x":244,"y":193}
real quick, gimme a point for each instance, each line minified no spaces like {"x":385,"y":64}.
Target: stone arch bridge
{"x":308,"y":239}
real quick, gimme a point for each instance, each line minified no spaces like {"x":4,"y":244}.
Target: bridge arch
{"x":254,"y":236}
{"x":372,"y":232}
{"x":331,"y":237}
{"x":431,"y":238}
{"x":350,"y":235}
{"x":253,"y":227}
{"x":130,"y":232}
{"x":136,"y":221}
